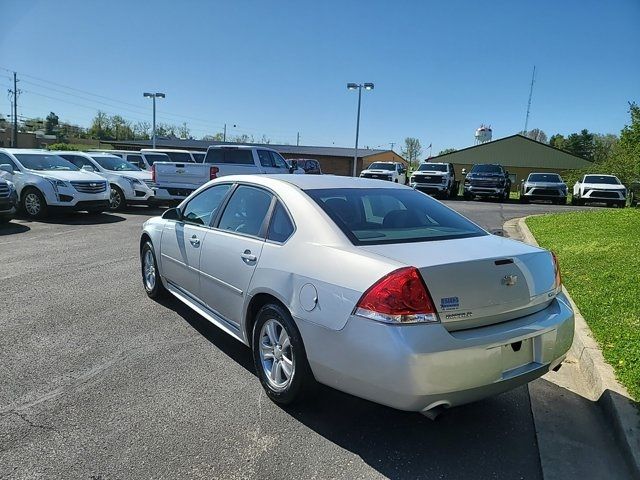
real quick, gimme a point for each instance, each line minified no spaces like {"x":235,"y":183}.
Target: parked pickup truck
{"x":487,"y":180}
{"x":435,"y":178}
{"x":175,"y":181}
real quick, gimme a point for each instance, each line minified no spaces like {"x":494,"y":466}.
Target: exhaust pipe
{"x":433,"y":412}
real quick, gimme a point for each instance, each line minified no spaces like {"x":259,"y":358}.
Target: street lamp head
{"x":368,"y":86}
{"x":352,"y":86}
{"x":147,"y":94}
{"x":161,"y":95}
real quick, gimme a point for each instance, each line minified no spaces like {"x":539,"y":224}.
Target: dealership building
{"x":519,"y":155}
{"x":333,"y":160}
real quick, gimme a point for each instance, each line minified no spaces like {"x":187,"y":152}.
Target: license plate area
{"x":516,"y":355}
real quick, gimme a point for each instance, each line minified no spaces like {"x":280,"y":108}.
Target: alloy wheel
{"x":149,"y":270}
{"x":276,"y":355}
{"x":115,"y":199}
{"x":32,"y":204}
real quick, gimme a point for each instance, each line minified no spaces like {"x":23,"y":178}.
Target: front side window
{"x":42,"y":161}
{"x":246,"y":211}
{"x":278,"y":161}
{"x":6,"y":160}
{"x":374,"y":216}
{"x":280,"y":227}
{"x":202,"y":208}
{"x":78,"y":160}
{"x":265,"y":158}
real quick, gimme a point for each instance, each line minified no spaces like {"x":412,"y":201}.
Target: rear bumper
{"x":417,"y":367}
{"x":163,"y":196}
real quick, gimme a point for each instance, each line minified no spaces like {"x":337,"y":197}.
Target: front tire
{"x":280,"y":357}
{"x":116,"y":200}
{"x":150,"y":274}
{"x":33,"y":204}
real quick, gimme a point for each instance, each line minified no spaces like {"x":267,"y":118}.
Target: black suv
{"x":8,"y":200}
{"x":487,"y":180}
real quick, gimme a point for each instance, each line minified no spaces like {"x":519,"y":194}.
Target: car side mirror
{"x":88,"y":168}
{"x":5,"y":167}
{"x":172,"y":214}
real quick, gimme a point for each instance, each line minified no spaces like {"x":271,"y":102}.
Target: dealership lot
{"x":101,"y":382}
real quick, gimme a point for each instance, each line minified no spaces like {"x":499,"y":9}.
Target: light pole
{"x":153,"y":96}
{"x":359,"y":87}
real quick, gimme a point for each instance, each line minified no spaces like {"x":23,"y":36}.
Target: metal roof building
{"x":335,"y":160}
{"x":519,"y":155}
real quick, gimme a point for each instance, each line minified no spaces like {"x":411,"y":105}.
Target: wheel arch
{"x":259,"y":300}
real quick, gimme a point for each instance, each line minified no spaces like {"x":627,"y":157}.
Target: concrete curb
{"x":613,"y":398}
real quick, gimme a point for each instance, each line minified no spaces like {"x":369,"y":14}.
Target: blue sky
{"x":280,"y":67}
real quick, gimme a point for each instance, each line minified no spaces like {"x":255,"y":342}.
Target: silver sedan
{"x":369,"y":287}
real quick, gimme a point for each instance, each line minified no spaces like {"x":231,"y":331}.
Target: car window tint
{"x":246,"y":211}
{"x":281,"y":227}
{"x":203,"y":207}
{"x":278,"y":161}
{"x":78,"y":160}
{"x":135,"y":159}
{"x":265,"y":158}
{"x":6,"y":160}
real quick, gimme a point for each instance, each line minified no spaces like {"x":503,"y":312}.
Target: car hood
{"x":69,"y":176}
{"x":479,"y":281}
{"x":603,"y":186}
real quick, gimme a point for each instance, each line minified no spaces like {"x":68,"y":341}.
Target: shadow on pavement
{"x":145,"y":211}
{"x":78,"y":218}
{"x":13,"y":228}
{"x":493,"y":438}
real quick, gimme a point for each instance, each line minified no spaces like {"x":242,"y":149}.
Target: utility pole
{"x":298,"y":140}
{"x":14,"y":133}
{"x":533,"y":79}
{"x":153,"y":96}
{"x":392,"y":145}
{"x":224,"y":133}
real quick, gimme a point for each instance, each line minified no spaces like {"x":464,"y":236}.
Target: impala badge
{"x":509,"y":280}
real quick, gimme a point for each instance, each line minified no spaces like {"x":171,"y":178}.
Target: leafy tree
{"x":244,"y":138}
{"x":51,"y":123}
{"x":604,"y":146}
{"x":183,"y":131}
{"x":165,"y":129}
{"x":446,"y":150}
{"x":141,"y":131}
{"x":218,"y":137}
{"x":100,"y":127}
{"x":557,"y":141}
{"x":412,"y":150}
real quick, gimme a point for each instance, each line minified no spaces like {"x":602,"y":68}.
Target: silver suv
{"x":543,"y":186}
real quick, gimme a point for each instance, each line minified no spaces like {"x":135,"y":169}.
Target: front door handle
{"x":248,"y":256}
{"x":195,"y":241}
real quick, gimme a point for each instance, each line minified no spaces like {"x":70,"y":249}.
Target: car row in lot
{"x":369,"y":287}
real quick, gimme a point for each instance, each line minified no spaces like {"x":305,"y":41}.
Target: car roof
{"x":162,"y":150}
{"x":40,"y":151}
{"x":310,"y":182}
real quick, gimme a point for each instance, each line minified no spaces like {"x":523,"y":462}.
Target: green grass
{"x":599,"y":254}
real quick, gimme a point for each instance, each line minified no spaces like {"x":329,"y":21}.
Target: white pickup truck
{"x":175,"y":181}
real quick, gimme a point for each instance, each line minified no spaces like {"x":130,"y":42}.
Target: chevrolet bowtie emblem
{"x":509,"y":280}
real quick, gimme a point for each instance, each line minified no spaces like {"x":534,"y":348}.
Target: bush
{"x":66,"y":146}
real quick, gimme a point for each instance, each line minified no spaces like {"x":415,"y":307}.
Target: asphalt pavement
{"x":100,"y":382}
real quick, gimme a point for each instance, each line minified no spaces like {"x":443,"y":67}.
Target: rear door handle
{"x":195,"y":241}
{"x":248,"y":256}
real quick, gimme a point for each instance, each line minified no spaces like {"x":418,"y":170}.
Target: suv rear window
{"x":376,"y":216}
{"x":238,"y":156}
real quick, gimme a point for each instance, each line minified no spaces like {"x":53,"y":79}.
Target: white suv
{"x":599,"y":188}
{"x":129,"y":184}
{"x":45,"y":180}
{"x":391,"y":171}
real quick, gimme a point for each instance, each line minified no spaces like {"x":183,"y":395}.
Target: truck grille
{"x":427,"y":179}
{"x":4,"y":190}
{"x":90,"y":187}
{"x":380,"y":176}
{"x":485,"y":183}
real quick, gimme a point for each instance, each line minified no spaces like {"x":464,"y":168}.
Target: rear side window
{"x":78,"y":160}
{"x":246,"y":211}
{"x":375,"y":216}
{"x":202,"y":208}
{"x":281,"y":227}
{"x":238,"y":156}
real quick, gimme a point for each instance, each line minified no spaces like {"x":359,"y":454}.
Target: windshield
{"x":601,"y":179}
{"x":486,"y":168}
{"x":381,"y":166}
{"x":151,"y":158}
{"x":115,"y":164}
{"x":43,"y":161}
{"x":432,"y":167}
{"x":374,"y":216}
{"x":545,"y":177}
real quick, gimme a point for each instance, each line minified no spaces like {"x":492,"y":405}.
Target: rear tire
{"x":150,"y":274}
{"x":280,"y":357}
{"x":33,"y":204}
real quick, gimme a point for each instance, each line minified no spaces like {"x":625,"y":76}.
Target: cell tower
{"x":533,"y":80}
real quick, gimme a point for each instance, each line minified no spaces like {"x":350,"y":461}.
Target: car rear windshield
{"x":485,"y":168}
{"x":238,"y":156}
{"x":180,"y":157}
{"x":430,"y":167}
{"x":601,"y":179}
{"x":156,"y":157}
{"x":381,"y":166}
{"x":199,"y":156}
{"x":376,"y":216}
{"x":38,"y":161}
{"x":115,"y":164}
{"x":545,"y":177}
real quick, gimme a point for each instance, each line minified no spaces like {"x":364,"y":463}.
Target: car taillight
{"x":399,"y":297}
{"x":556,"y":269}
{"x":213,"y":172}
{"x":153,"y":173}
